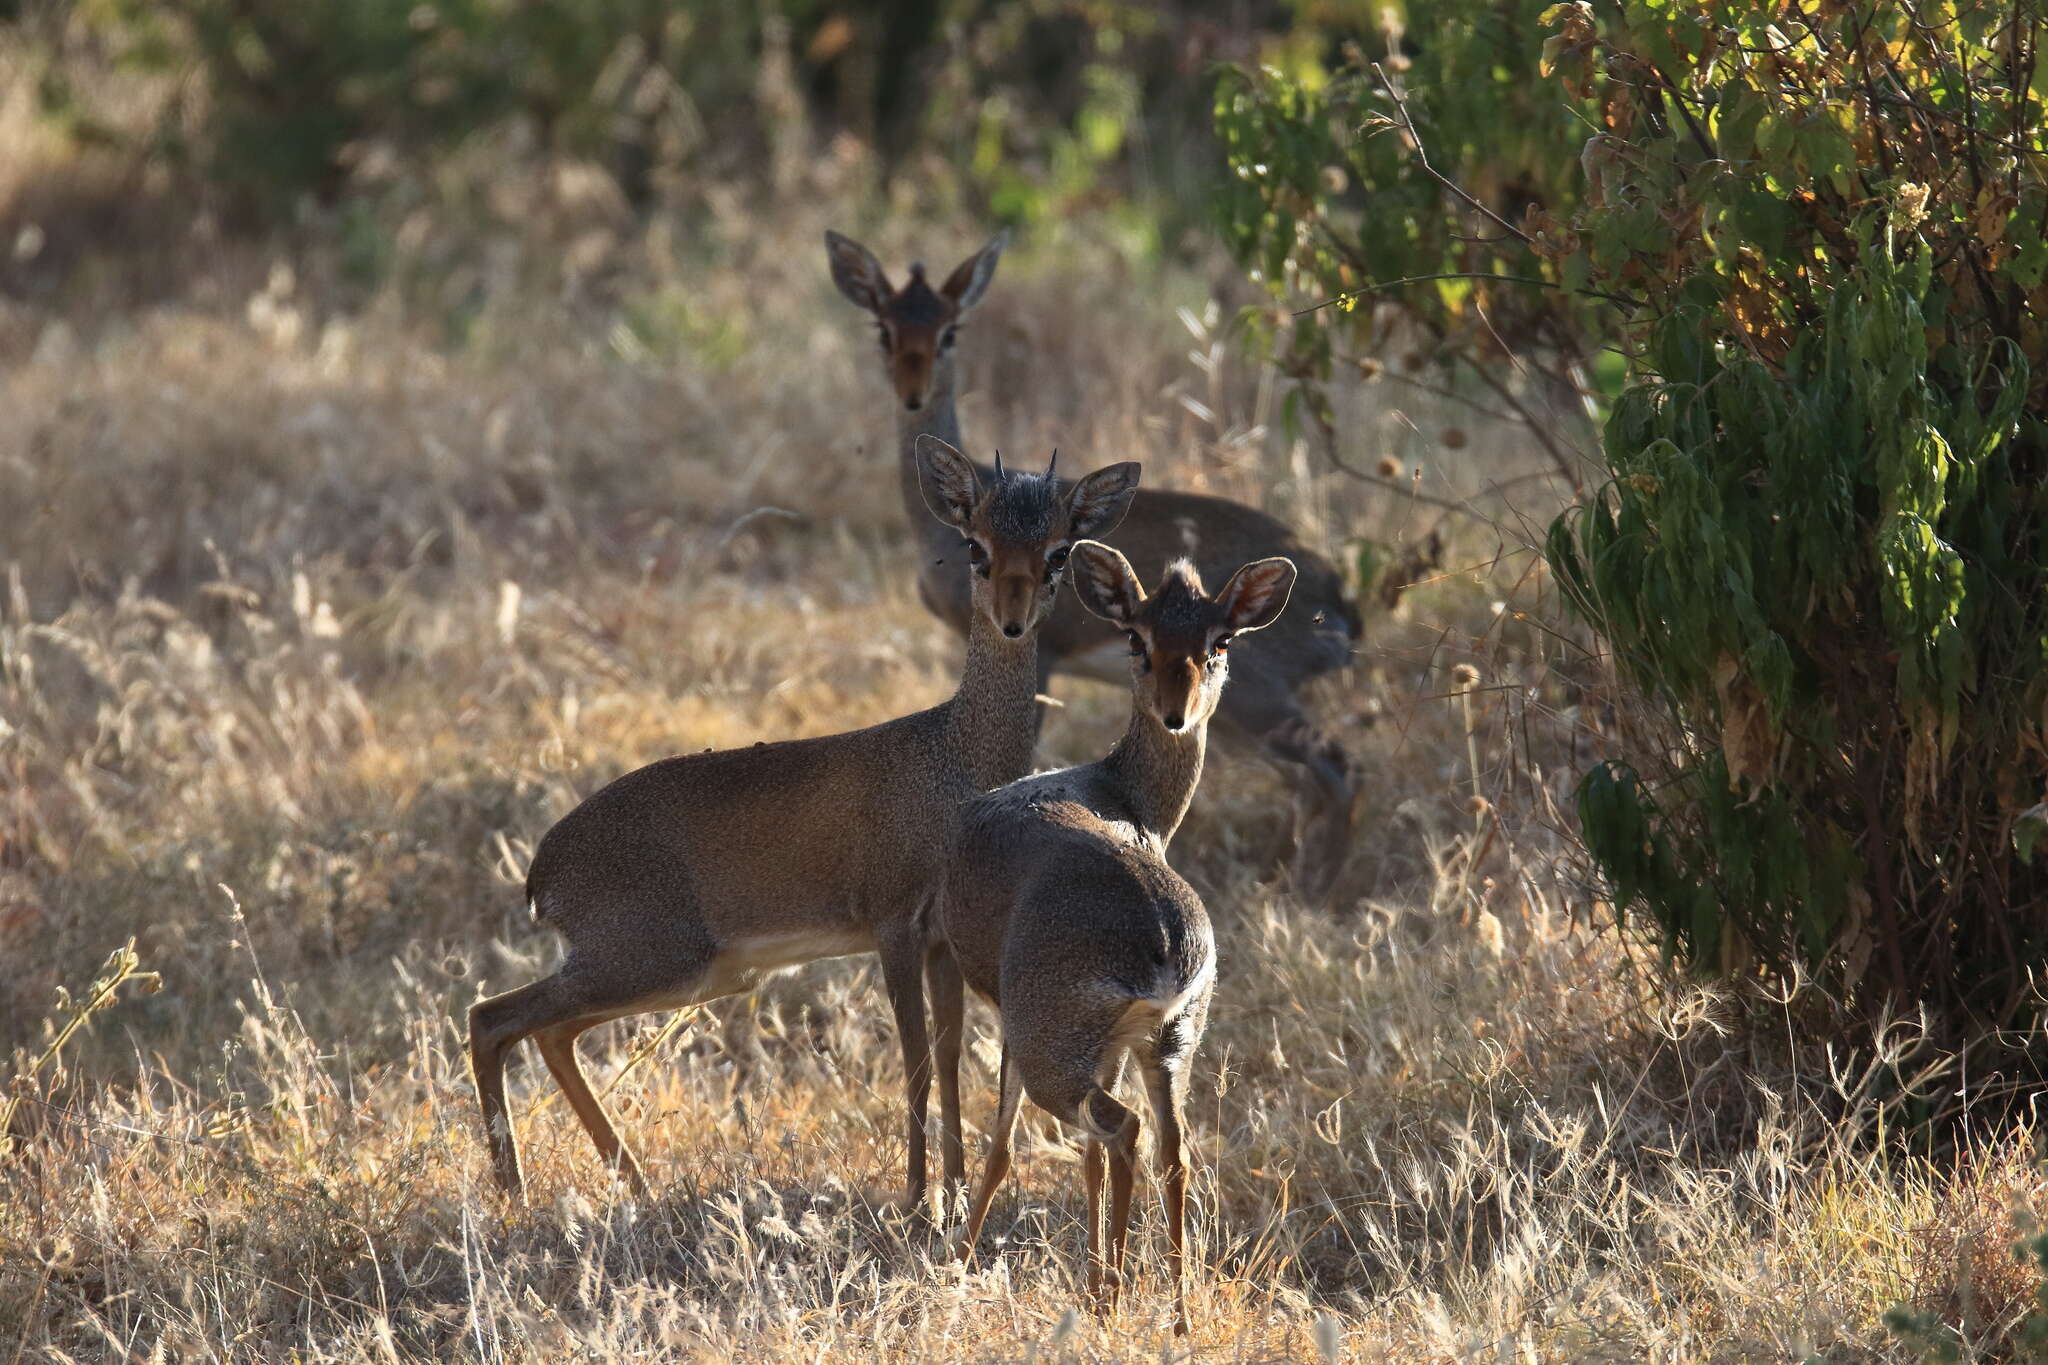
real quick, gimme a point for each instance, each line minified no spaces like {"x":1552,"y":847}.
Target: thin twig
{"x":1622,"y":301}
{"x":1422,"y":159}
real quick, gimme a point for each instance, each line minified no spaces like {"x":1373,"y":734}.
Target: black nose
{"x":913,"y":403}
{"x":1175,"y":720}
{"x":1013,"y":630}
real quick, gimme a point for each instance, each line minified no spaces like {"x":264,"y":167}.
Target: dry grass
{"x":322,"y":606}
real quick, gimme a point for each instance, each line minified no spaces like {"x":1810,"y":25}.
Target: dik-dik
{"x":1058,"y":905}
{"x":695,"y":877}
{"x":920,"y":328}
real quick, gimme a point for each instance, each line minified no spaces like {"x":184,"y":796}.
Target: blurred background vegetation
{"x":1031,"y":113}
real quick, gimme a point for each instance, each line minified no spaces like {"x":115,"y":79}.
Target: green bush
{"x":286,"y":89}
{"x":1330,"y":197}
{"x":1822,"y":554}
{"x":1035,"y":110}
{"x":1820,"y":239}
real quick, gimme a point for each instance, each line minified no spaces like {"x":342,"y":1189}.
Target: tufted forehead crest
{"x":917,"y":304}
{"x":1022,"y":507}
{"x":1180,"y":603}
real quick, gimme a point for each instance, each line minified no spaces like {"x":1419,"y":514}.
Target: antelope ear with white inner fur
{"x":1105,"y":584}
{"x":948,"y":482}
{"x":970,"y":279}
{"x":1256,"y":594}
{"x":857,"y":273}
{"x":1098,"y":502}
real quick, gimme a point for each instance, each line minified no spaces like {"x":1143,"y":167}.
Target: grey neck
{"x":1156,"y":772}
{"x":939,"y":418}
{"x":993,"y":722}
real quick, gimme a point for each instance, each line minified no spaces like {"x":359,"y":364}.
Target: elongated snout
{"x":1176,"y":691}
{"x":1015,"y":603}
{"x":911,"y":369}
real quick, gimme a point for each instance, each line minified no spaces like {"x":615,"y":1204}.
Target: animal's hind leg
{"x":903,"y":960}
{"x":1117,"y":1129}
{"x":557,"y":1045}
{"x":558,"y":1009}
{"x":495,"y":1026}
{"x":1166,"y":1086}
{"x":998,"y":1154}
{"x":1093,"y":1164}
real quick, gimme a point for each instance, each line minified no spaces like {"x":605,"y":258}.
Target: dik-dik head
{"x":1180,"y":636}
{"x":1019,"y":530}
{"x":919,"y":324}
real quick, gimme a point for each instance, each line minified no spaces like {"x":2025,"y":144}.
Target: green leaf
{"x":1737,"y":114}
{"x":1368,"y":561}
{"x":1576,"y":271}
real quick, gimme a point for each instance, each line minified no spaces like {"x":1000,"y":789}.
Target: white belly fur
{"x":775,"y":952}
{"x":744,"y":962}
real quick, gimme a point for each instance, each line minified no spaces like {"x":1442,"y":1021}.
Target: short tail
{"x":537,"y":892}
{"x":1151,"y":1011}
{"x":1136,"y":1028}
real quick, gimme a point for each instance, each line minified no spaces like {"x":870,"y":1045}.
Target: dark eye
{"x":1137,"y":643}
{"x":977,"y":555}
{"x":882,"y":335}
{"x":948,"y":337}
{"x":1222,"y":644}
{"x":1058,"y":558}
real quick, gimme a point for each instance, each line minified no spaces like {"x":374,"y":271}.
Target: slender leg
{"x":1166,"y":1085}
{"x":495,"y":1026}
{"x":1106,"y":1116}
{"x":559,"y":1009}
{"x":998,"y":1156}
{"x":949,"y":1009}
{"x":902,"y":961}
{"x":557,"y":1044}
{"x":1093,"y":1163}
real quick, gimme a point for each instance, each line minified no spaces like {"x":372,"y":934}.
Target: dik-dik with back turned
{"x":697,"y":876}
{"x":1058,"y":905}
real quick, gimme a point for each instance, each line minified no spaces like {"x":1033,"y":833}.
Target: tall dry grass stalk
{"x":322,"y":607}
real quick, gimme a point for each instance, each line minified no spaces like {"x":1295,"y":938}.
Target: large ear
{"x":1105,"y":584}
{"x":969,"y":281}
{"x":1098,"y":502}
{"x":946,"y":478}
{"x":857,"y":273}
{"x":1256,"y":594}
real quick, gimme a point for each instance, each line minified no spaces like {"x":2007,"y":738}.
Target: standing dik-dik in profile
{"x":919,"y":332}
{"x":1058,"y":905}
{"x":694,"y":877}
